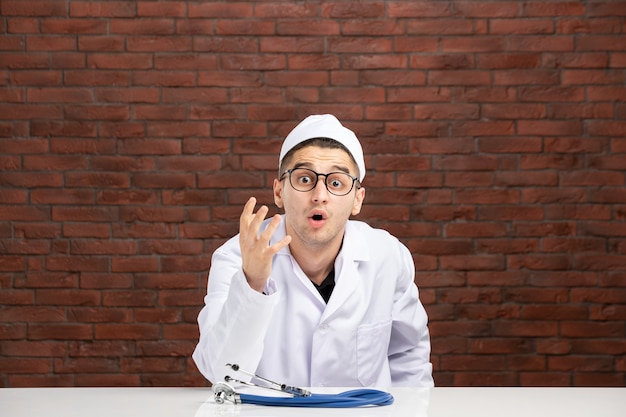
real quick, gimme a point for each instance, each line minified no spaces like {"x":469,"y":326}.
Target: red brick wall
{"x":131,"y":133}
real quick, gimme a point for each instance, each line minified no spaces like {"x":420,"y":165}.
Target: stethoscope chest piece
{"x":223,"y":392}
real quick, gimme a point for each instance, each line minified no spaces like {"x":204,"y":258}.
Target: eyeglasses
{"x":304,"y":179}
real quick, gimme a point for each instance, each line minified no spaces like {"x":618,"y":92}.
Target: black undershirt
{"x":327,"y":286}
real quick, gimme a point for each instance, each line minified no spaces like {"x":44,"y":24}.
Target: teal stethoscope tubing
{"x":347,"y":399}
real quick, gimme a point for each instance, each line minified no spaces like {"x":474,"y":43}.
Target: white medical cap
{"x":325,"y":126}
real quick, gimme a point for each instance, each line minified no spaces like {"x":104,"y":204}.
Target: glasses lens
{"x":337,"y":183}
{"x":303,"y":179}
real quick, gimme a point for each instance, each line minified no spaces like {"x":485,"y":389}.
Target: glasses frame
{"x":317,"y":177}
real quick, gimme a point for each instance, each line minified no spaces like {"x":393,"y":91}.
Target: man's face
{"x":317,"y":217}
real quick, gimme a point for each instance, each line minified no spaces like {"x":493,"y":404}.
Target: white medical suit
{"x":372,"y":332}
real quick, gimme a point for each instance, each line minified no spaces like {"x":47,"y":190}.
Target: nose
{"x":320,"y":192}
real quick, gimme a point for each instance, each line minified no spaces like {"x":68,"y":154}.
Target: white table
{"x":198,"y":402}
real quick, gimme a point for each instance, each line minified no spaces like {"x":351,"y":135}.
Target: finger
{"x":284,"y":242}
{"x":247,"y":211}
{"x":255,"y":223}
{"x":267,"y":234}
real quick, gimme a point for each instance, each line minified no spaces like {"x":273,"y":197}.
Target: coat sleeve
{"x":409,"y":348}
{"x":234,"y":319}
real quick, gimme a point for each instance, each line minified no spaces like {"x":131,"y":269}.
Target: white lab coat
{"x":373,"y":332}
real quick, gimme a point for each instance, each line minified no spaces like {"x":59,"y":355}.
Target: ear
{"x":278,"y":193}
{"x":358,"y":201}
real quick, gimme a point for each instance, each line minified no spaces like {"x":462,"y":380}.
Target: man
{"x":311,"y":298}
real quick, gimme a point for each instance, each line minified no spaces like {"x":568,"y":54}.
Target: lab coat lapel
{"x":353,"y":251}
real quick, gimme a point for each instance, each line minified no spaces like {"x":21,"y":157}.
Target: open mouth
{"x":317,"y":217}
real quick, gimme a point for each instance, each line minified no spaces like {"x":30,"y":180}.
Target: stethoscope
{"x":223,"y":391}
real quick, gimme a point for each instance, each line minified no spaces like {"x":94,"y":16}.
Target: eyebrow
{"x":335,"y":168}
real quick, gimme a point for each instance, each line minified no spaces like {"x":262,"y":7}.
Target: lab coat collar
{"x":354,"y":247}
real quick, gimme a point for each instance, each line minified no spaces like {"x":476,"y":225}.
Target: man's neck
{"x":316,"y":262}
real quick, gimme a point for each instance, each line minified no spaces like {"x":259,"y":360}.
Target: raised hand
{"x":256,"y":252}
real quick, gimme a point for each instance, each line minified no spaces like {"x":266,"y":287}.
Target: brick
{"x":521,"y":26}
{"x":527,"y":328}
{"x":481,"y":379}
{"x":159,"y":365}
{"x":152,"y":214}
{"x":446,"y":111}
{"x":602,"y":346}
{"x":119,"y":61}
{"x":591,"y":111}
{"x":549,"y":128}
{"x":551,"y":94}
{"x":537,"y":295}
{"x":74,"y":26}
{"x":32,"y":8}
{"x":128,"y":95}
{"x":545,"y":379}
{"x":579,"y":364}
{"x":106,"y":380}
{"x":549,"y":196}
{"x":368,"y":62}
{"x":181,"y":332}
{"x":101,"y":43}
{"x":606,"y":128}
{"x":416,"y":44}
{"x":591,"y":76}
{"x":468,"y":77}
{"x":599,"y":379}
{"x":225,"y":27}
{"x":508,"y":60}
{"x":475,"y":230}
{"x":233,"y":44}
{"x":141,"y":26}
{"x":544,"y":43}
{"x":251,"y":62}
{"x":169,"y":8}
{"x":134,"y":298}
{"x":25,"y":366}
{"x":587,"y":212}
{"x":60,"y":331}
{"x":132,"y":146}
{"x":526,"y":77}
{"x":481,"y":128}
{"x":126,"y":331}
{"x":165,"y":348}
{"x":440,"y":27}
{"x":576,"y":60}
{"x":230,"y":129}
{"x":241,"y":10}
{"x":359,"y":45}
{"x":143,"y":230}
{"x":495,"y":246}
{"x":602,"y":43}
{"x":152,"y":315}
{"x":96,"y":77}
{"x":99,"y":315}
{"x":176,"y":129}
{"x":372,"y":27}
{"x":403,"y":9}
{"x":97,"y":112}
{"x":75,"y":263}
{"x":194,"y":95}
